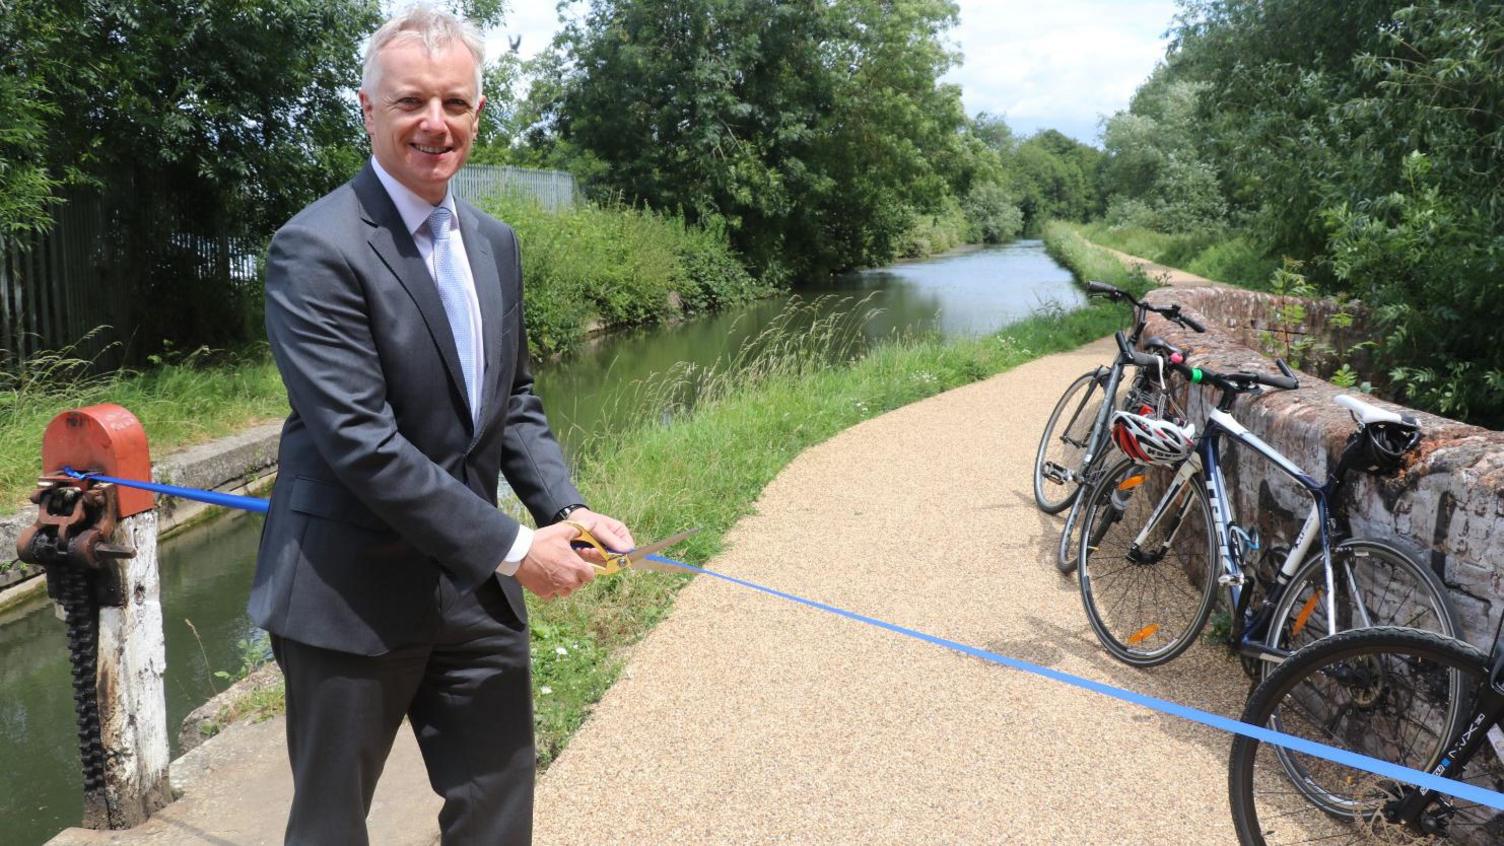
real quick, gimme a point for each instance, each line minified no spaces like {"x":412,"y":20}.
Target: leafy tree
{"x":994,"y":132}
{"x":813,"y":129}
{"x":1055,"y":176}
{"x":993,"y":214}
{"x":1364,"y":138}
{"x":1276,"y":74}
{"x":25,"y":184}
{"x":1155,"y":173}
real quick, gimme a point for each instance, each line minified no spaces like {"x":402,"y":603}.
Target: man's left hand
{"x":611,"y":532}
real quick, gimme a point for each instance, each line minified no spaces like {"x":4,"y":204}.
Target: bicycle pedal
{"x":1055,"y":473}
{"x":1226,"y":580}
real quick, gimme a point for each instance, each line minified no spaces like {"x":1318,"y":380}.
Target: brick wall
{"x":1446,"y":505}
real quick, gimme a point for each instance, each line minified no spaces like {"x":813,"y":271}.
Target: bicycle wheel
{"x":1146,"y":602}
{"x":1377,"y":584}
{"x":1383,"y":692}
{"x":1067,"y":434}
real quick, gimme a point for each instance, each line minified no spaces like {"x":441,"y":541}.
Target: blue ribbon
{"x":1386,"y":769}
{"x":245,"y":503}
{"x":1451,"y":787}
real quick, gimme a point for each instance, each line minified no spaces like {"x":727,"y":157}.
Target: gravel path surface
{"x":1160,"y":273}
{"x":743,"y":718}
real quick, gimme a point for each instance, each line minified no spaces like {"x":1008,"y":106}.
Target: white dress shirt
{"x":415,"y":212}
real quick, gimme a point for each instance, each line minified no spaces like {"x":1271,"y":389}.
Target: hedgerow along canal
{"x":206,"y":572}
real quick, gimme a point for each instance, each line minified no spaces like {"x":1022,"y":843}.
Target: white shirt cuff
{"x":519,"y":550}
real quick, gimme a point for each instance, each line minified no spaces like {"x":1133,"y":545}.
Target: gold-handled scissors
{"x":634,"y":559}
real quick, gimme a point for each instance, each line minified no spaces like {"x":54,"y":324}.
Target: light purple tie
{"x":449,"y":278}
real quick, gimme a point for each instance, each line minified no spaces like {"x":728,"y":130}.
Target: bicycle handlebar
{"x":1243,"y":381}
{"x":1169,"y":312}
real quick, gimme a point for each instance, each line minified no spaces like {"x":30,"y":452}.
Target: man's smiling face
{"x":423,"y":114}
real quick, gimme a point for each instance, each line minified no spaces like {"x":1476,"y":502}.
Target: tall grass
{"x":1220,"y":256}
{"x":1089,"y":262}
{"x":183,"y":399}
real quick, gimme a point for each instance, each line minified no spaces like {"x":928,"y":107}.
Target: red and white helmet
{"x":1151,"y":440}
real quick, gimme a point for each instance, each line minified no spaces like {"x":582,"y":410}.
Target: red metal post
{"x":103,"y":439}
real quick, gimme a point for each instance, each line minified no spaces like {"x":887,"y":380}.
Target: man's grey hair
{"x":434,"y":28}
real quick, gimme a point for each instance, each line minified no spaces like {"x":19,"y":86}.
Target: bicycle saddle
{"x":1159,"y":346}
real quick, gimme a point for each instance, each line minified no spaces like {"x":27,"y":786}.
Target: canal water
{"x":959,"y":294}
{"x":206,"y":573}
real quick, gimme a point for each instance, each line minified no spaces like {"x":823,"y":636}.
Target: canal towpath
{"x":742,"y":718}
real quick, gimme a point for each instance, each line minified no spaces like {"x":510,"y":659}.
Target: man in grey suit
{"x":390,"y":583}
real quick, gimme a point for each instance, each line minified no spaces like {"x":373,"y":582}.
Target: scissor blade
{"x":637,"y":558}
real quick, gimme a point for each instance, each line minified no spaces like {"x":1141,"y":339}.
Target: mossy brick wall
{"x":1257,"y":320}
{"x":1446,"y":505}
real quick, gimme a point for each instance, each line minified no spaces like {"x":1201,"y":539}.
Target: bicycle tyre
{"x":1360,"y":675}
{"x":1145,"y":613}
{"x":1424,"y":605}
{"x":1081,"y":402}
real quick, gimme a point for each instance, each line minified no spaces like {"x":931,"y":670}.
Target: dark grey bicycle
{"x":1075,"y":443}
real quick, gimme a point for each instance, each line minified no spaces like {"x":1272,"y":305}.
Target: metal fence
{"x":52,"y":294}
{"x":552,"y":189}
{"x":90,"y":284}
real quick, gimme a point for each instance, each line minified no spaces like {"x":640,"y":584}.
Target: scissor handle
{"x":613,"y":559}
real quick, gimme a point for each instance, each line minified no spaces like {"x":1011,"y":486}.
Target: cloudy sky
{"x":1059,"y":64}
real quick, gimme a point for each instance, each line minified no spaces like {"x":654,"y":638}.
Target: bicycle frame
{"x":1098,"y":439}
{"x":1206,"y":461}
{"x":1098,"y":442}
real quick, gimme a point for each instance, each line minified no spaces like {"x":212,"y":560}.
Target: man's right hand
{"x":551,"y":567}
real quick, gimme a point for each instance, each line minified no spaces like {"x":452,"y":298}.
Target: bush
{"x":710,"y":275}
{"x":1130,"y":213}
{"x":1429,"y":265}
{"x":993,"y":214}
{"x":928,"y":234}
{"x":617,"y":265}
{"x":1187,"y":197}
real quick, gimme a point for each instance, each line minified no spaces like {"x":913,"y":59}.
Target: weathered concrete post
{"x":99,"y":543}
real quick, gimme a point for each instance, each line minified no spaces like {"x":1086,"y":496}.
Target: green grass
{"x":1065,"y":244}
{"x":1220,"y":256}
{"x":185,"y":400}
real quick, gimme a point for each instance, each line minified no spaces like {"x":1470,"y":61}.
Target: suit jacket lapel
{"x":492,"y":308}
{"x":394,"y":244}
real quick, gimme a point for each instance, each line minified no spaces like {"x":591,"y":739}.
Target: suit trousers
{"x":468,"y":696}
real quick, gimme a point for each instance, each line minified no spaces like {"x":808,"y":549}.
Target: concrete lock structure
{"x":98,"y":543}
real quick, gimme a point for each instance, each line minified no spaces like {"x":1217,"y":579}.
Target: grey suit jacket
{"x":384,"y":484}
